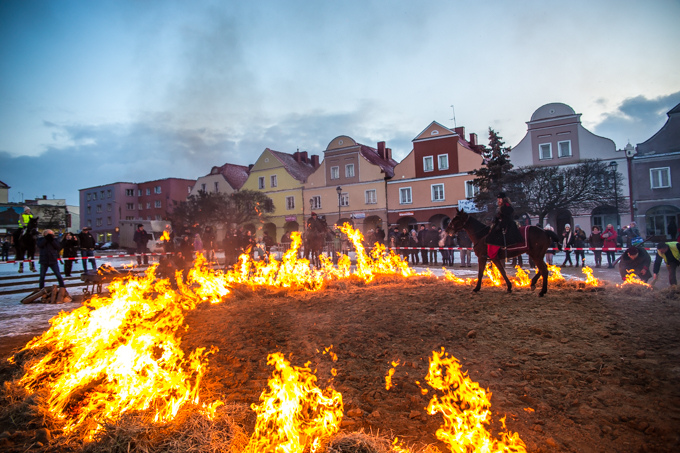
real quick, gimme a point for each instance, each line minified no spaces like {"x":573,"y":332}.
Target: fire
{"x":632,"y":279}
{"x":590,"y":280}
{"x":390,"y":373}
{"x":450,"y":276}
{"x":165,"y":236}
{"x":555,"y":274}
{"x":117,"y":354}
{"x":494,"y":275}
{"x":466,"y":409}
{"x":521,"y":278}
{"x":294,"y":415}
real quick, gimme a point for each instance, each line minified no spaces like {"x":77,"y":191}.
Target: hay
{"x":358,"y":442}
{"x":670,"y":294}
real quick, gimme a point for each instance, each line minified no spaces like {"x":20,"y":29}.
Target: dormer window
{"x":434,"y":132}
{"x":428,"y":163}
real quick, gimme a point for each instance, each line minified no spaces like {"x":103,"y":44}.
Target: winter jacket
{"x":579,"y":238}
{"x":49,"y":249}
{"x":567,"y":239}
{"x":141,"y":238}
{"x":431,"y":238}
{"x":596,"y":240}
{"x":413,"y":240}
{"x":609,"y":236}
{"x":86,"y":240}
{"x":70,"y":247}
{"x":463,"y":239}
{"x":442,"y":239}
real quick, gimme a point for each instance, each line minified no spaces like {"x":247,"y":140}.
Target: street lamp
{"x":339,"y":191}
{"x":614,"y":166}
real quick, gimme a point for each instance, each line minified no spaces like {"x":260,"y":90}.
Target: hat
{"x":567,"y":226}
{"x":577,"y":226}
{"x":501,"y":195}
{"x":632,"y":251}
{"x":87,"y":228}
{"x":140,"y":225}
{"x":313,"y":213}
{"x":661,"y":245}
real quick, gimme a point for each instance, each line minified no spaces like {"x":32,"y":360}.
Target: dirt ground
{"x":601,"y":370}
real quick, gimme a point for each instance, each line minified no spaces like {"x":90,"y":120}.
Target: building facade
{"x":281,"y":176}
{"x":655,"y":173}
{"x":350,"y":185}
{"x":103,"y":207}
{"x":226,"y":179}
{"x":429,"y":183}
{"x":555,"y":137}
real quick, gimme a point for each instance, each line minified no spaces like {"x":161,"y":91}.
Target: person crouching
{"x":637,"y":260}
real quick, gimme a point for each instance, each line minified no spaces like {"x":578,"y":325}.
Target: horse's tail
{"x":554,"y":237}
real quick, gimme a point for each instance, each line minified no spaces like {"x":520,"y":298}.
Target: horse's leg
{"x":19,"y":256}
{"x":543,"y":270}
{"x":501,"y":268}
{"x":480,"y":272}
{"x":31,"y":264}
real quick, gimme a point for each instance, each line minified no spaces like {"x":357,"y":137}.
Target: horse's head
{"x":458,"y":222}
{"x":32,"y":224}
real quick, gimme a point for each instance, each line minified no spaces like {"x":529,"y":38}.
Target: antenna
{"x":454,"y":116}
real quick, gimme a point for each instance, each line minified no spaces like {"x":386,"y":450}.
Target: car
{"x":108,"y":246}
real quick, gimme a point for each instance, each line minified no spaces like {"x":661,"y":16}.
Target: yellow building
{"x":282,"y":177}
{"x":350,"y":184}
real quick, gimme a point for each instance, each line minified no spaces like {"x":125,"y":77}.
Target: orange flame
{"x":294,"y":415}
{"x":555,"y":274}
{"x":590,"y":280}
{"x":466,"y":409}
{"x":521,"y":278}
{"x":632,"y":279}
{"x":390,"y":373}
{"x":494,"y":275}
{"x":165,"y":236}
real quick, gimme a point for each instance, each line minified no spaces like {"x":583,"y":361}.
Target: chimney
{"x":296,"y":155}
{"x":460,"y":131}
{"x":303,"y":157}
{"x":381,"y":149}
{"x":250,"y":167}
{"x":315,"y":161}
{"x":388,"y":153}
{"x":44,"y":197}
{"x":473,"y":139}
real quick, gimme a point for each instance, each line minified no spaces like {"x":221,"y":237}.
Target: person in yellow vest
{"x":24,"y":219}
{"x":669,"y":253}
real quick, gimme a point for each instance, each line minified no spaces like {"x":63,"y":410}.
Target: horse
{"x":315,"y":241}
{"x":538,"y":242}
{"x":25,"y":244}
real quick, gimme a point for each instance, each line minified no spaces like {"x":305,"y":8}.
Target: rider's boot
{"x":32,"y":266}
{"x":21,"y":268}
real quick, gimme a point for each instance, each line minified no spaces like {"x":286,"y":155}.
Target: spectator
{"x":550,"y":253}
{"x":441,"y":243}
{"x":70,"y":244}
{"x":49,"y":257}
{"x":609,"y":237}
{"x":567,"y":243}
{"x":268,"y":243}
{"x":432,"y":242}
{"x":141,"y":238}
{"x":637,"y":260}
{"x":379,"y":234}
{"x":402,"y":243}
{"x":198,"y":243}
{"x":209,"y":243}
{"x":672,"y":229}
{"x":450,"y":242}
{"x":87,"y":243}
{"x":579,"y":242}
{"x":185,"y":255}
{"x":633,"y":235}
{"x":526,"y":221}
{"x":5,"y":250}
{"x":169,"y":245}
{"x":465,"y":255}
{"x":668,"y":252}
{"x":413,"y":242}
{"x":422,"y":241}
{"x":596,"y":241}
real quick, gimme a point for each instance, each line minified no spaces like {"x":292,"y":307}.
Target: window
{"x":217,"y":186}
{"x":89,"y":223}
{"x":148,"y":191}
{"x":141,"y":206}
{"x":89,"y":209}
{"x":108,"y":207}
{"x":139,"y":192}
{"x":99,"y":208}
{"x":99,"y":222}
{"x":189,"y":189}
{"x":545,"y":151}
{"x":129,"y":192}
{"x":316,"y":202}
{"x":108,"y":193}
{"x":203,"y":187}
{"x":349,"y":171}
{"x":89,"y":197}
{"x":158,"y":217}
{"x":660,"y":177}
{"x":109,"y":221}
{"x":344,"y":199}
{"x":157,"y":204}
{"x":273,"y":181}
{"x":130,"y":206}
{"x":405,"y":195}
{"x":148,"y":205}
{"x":290,"y":203}
{"x":428,"y":163}
{"x":157,"y":189}
{"x":471,"y":190}
{"x":443,"y":161}
{"x":371,"y":197}
{"x":564,"y":148}
{"x":437,"y":192}
{"x":102,"y":194}
{"x":129,"y":217}
{"x":94,"y":195}
{"x":148,"y":217}
{"x":260,"y":182}
{"x":335,"y":172}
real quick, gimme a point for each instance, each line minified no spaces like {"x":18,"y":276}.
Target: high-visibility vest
{"x":24,"y":219}
{"x":673,"y":246}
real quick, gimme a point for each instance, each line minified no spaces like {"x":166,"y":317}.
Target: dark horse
{"x":538,"y":241}
{"x":25,"y":244}
{"x":315,"y":241}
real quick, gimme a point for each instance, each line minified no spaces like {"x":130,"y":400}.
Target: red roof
{"x":372,"y":156}
{"x":298,"y":170}
{"x":236,"y":175}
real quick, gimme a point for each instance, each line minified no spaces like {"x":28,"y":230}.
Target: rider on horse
{"x":24,"y":219}
{"x":504,"y":231}
{"x":314,"y":224}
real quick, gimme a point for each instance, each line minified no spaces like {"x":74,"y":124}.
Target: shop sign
{"x":291,"y":218}
{"x":359,"y":215}
{"x":403,"y":214}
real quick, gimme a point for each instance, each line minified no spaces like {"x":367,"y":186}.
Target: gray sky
{"x":98,"y":92}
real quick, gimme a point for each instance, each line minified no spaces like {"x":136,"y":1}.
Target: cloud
{"x":160,"y":147}
{"x":636,"y":119}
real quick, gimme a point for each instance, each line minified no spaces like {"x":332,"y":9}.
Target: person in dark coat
{"x":141,"y":238}
{"x":635,"y":259}
{"x":209,"y":243}
{"x":504,"y":231}
{"x":70,"y":244}
{"x":596,"y":241}
{"x":422,"y":240}
{"x":464,"y":241}
{"x":379,"y":234}
{"x":579,"y":242}
{"x":268,"y":242}
{"x":432,"y":241}
{"x":5,"y":250}
{"x":450,"y":242}
{"x":567,"y":244}
{"x":403,"y":243}
{"x":413,"y":242}
{"x":86,"y":242}
{"x":49,"y":247}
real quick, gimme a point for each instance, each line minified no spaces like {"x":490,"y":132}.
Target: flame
{"x":555,"y":274}
{"x":294,"y":414}
{"x":494,"y":275}
{"x":521,"y":278}
{"x":590,"y":280}
{"x":165,"y":236}
{"x":390,"y":373}
{"x":633,"y":279}
{"x":466,"y":409}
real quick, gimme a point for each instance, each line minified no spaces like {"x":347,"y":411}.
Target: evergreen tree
{"x":495,"y":173}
